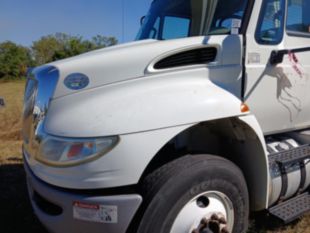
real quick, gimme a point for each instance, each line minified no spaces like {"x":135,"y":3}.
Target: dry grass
{"x":16,"y":215}
{"x":10,"y":119}
{"x":10,"y":116}
{"x":262,"y":223}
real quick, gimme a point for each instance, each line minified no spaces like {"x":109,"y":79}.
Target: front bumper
{"x":54,"y":208}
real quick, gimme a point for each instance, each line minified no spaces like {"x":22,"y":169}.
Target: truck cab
{"x":200,"y":121}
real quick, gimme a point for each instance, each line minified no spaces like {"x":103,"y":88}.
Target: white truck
{"x":201,"y":120}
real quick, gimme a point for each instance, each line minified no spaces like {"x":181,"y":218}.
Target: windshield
{"x":171,"y":19}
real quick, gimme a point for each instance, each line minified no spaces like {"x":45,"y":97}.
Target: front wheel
{"x":195,"y":194}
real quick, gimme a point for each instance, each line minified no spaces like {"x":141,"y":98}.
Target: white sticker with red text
{"x":95,"y":212}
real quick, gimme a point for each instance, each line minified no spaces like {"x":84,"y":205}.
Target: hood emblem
{"x":76,"y":81}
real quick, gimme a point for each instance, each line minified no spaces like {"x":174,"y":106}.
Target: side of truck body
{"x":127,"y":138}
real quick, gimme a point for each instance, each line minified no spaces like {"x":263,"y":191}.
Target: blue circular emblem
{"x":76,"y":81}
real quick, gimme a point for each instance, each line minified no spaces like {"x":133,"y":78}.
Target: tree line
{"x":15,"y":59}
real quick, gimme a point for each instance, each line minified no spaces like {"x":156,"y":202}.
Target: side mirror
{"x":277,"y":56}
{"x":142,"y":20}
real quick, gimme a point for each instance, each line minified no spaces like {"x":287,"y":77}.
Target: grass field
{"x":16,"y":215}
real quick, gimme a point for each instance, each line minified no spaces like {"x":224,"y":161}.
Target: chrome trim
{"x":39,"y":91}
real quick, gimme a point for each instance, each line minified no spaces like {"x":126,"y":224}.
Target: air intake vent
{"x":192,"y":57}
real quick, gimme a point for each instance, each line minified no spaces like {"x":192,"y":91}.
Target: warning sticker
{"x":236,"y":23}
{"x":234,"y":31}
{"x":95,"y":212}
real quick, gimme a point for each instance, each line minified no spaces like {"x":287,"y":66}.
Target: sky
{"x":24,"y":21}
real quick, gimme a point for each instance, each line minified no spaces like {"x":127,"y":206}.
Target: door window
{"x":270,"y":27}
{"x":298,"y":16}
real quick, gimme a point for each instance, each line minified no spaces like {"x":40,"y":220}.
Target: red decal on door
{"x":294,"y":60}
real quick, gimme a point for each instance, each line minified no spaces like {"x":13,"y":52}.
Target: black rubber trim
{"x":284,"y":181}
{"x":247,"y":16}
{"x":297,"y":34}
{"x":46,"y":206}
{"x":303,"y":175}
{"x":246,"y":20}
{"x":244,"y":75}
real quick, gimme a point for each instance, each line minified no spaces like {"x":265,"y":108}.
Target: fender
{"x":255,"y":164}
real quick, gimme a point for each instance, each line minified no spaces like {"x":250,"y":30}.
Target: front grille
{"x":46,"y":206}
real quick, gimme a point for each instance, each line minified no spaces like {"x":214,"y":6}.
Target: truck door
{"x":278,"y":94}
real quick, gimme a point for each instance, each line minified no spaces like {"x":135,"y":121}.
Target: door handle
{"x":277,"y":56}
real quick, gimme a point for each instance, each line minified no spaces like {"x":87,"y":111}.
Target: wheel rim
{"x":206,"y":208}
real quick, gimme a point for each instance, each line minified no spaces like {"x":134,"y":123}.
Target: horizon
{"x":29,"y":22}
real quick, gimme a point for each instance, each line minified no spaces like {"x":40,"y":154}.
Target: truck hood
{"x":124,"y":62}
{"x":149,"y":98}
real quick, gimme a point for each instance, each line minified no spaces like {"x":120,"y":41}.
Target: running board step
{"x":291,"y":209}
{"x":291,"y":156}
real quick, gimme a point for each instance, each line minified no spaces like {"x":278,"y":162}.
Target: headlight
{"x":56,"y":151}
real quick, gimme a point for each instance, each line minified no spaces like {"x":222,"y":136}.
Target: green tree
{"x":61,"y":45}
{"x":71,"y":46}
{"x":14,"y":60}
{"x":45,"y":48}
{"x":103,"y":41}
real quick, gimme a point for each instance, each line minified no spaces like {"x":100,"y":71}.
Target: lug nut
{"x":215,"y":217}
{"x":204,"y":221}
{"x":222,"y":220}
{"x":225,"y":230}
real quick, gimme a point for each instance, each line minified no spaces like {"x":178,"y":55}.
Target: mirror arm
{"x":277,"y":56}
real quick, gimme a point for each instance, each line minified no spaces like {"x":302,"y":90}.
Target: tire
{"x":173,"y":195}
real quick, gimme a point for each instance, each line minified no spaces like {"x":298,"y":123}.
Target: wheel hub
{"x":209,"y":212}
{"x":216,"y":224}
